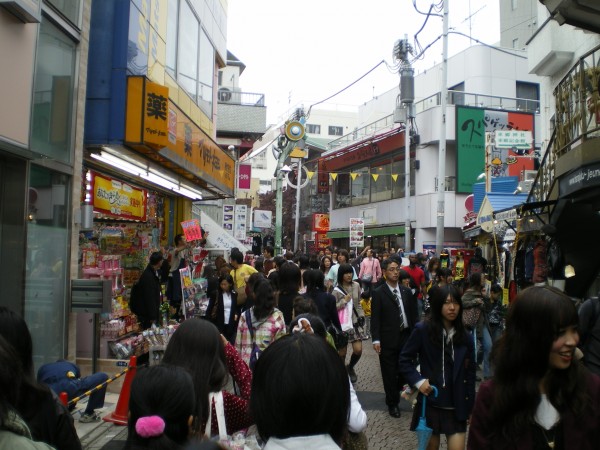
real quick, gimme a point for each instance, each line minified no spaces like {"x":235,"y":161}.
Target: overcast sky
{"x":302,"y":52}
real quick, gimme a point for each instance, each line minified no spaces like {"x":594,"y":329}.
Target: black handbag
{"x":360,"y":320}
{"x":340,"y":339}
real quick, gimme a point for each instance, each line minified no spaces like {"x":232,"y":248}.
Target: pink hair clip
{"x":150,"y":426}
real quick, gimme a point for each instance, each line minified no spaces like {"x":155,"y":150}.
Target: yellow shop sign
{"x":147,"y":113}
{"x":154,"y":122}
{"x":118,"y":199}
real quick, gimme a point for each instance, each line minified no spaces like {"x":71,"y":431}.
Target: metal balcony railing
{"x":540,"y":189}
{"x":479,"y":100}
{"x":577,"y":118}
{"x":454,"y":98}
{"x":385,"y":123}
{"x":577,"y":103}
{"x":228,"y":96}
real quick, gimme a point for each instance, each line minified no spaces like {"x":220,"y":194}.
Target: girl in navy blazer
{"x":445,"y":352}
{"x":222,"y":308}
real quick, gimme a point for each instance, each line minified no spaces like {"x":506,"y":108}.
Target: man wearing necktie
{"x":394,"y":314}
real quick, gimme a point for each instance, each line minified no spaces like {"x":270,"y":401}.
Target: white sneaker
{"x":89,"y":418}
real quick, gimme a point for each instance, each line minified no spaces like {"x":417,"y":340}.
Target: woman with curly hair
{"x":541,"y":396}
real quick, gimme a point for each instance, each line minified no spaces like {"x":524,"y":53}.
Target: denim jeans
{"x":486,"y":343}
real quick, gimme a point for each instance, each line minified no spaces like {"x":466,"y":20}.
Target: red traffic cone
{"x":119,"y":415}
{"x":64,"y":398}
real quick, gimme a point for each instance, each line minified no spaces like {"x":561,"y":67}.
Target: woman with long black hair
{"x":444,"y":350}
{"x":198,"y":347}
{"x":541,"y":396}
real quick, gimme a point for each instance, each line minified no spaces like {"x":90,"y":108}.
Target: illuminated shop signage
{"x":118,"y":199}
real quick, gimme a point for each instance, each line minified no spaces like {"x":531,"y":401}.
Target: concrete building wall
{"x":78,"y":164}
{"x":487,"y":72}
{"x":18,"y":40}
{"x":518,"y":22}
{"x":348,"y":120}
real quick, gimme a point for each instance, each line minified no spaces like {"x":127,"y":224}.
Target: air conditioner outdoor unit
{"x":229,"y":95}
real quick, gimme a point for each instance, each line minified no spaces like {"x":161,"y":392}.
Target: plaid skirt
{"x":441,"y":421}
{"x":356,"y":334}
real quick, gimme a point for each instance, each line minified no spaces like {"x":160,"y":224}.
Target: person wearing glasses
{"x":394,"y":314}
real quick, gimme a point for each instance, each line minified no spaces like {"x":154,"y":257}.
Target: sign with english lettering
{"x":244,"y":176}
{"x":584,"y":177}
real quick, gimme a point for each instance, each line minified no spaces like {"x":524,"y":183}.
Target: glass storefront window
{"x":69,"y":8}
{"x":205,"y":80}
{"x":360,"y":186}
{"x":51,"y":128}
{"x":398,"y":185}
{"x":171,"y":62}
{"x":341,"y":188}
{"x":381,"y":189}
{"x":47,"y":262}
{"x":188,"y":50}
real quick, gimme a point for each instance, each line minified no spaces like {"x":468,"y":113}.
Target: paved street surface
{"x":383,"y":431}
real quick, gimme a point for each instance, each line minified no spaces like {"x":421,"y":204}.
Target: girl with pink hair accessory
{"x":161,"y":409}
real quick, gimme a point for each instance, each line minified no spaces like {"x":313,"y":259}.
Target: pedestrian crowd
{"x":287,"y":333}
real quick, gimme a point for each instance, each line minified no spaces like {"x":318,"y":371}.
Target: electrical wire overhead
{"x":347,"y":87}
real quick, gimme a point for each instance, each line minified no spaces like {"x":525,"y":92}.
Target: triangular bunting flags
{"x":395,"y":177}
{"x":353,"y":175}
{"x":333,"y":176}
{"x":375,"y":176}
{"x":309,"y":174}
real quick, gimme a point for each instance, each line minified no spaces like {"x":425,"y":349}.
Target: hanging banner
{"x":263,"y":218}
{"x":323,"y":180}
{"x":216,"y":237}
{"x":191,"y":230}
{"x":240,"y":222}
{"x":228,"y":219}
{"x":357,"y":232}
{"x":118,"y":199}
{"x":245,"y":175}
{"x":321,"y":223}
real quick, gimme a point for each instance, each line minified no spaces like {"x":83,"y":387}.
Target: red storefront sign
{"x":321,"y":223}
{"x":362,"y":152}
{"x":245,"y":174}
{"x":323,"y":179}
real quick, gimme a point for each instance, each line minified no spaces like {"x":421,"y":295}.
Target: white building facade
{"x":494,"y":83}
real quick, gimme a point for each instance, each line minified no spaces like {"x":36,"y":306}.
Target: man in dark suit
{"x":146,"y":296}
{"x":394,"y":314}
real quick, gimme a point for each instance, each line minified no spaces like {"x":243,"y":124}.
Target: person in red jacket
{"x":541,"y":396}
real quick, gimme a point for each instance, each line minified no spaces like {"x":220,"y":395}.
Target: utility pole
{"x":404,"y":113}
{"x":441,"y":185}
{"x":279,"y":173}
{"x":294,"y":134}
{"x":297,"y":223}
